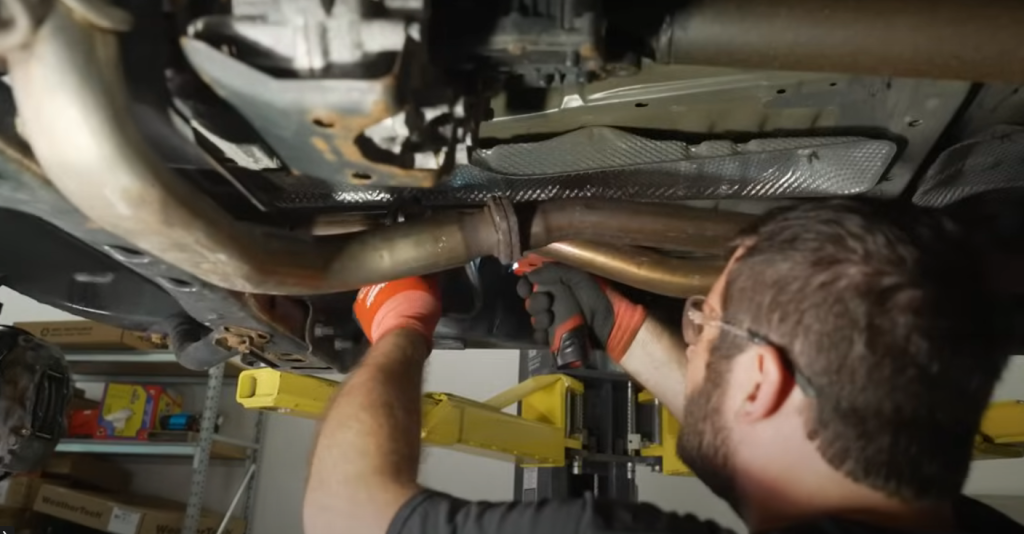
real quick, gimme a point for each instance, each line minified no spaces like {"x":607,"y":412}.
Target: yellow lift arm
{"x":551,"y":420}
{"x":1002,"y":431}
{"x":548,"y":425}
{"x":665,"y":445}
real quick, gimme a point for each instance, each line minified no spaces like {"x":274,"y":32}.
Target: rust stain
{"x":324,"y":147}
{"x":342,"y":132}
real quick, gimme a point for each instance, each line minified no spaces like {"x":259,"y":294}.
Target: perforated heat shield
{"x":607,"y":163}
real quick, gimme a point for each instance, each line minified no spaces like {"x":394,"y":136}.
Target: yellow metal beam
{"x":666,"y":449}
{"x":547,"y":399}
{"x":548,"y":424}
{"x":272,"y":390}
{"x":477,"y":428}
{"x":538,"y":438}
{"x":1002,"y":431}
{"x":1001,"y":435}
{"x":1003,"y":423}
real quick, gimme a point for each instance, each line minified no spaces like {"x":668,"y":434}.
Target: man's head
{"x":886,"y":312}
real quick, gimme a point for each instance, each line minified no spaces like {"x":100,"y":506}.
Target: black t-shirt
{"x":431,"y":512}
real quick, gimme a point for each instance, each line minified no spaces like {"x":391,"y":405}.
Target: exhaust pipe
{"x":74,"y":108}
{"x":640,"y":268}
{"x":666,"y":226}
{"x":939,"y":39}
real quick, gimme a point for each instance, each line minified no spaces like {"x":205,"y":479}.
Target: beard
{"x":703,"y":443}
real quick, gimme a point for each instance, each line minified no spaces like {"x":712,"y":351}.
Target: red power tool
{"x":570,"y":343}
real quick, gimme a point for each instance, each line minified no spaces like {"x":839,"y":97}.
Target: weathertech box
{"x":87,"y":335}
{"x":132,"y":411}
{"x":124,"y":514}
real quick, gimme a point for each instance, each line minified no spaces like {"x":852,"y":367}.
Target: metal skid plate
{"x":311,"y":124}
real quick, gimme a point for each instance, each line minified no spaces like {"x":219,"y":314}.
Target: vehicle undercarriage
{"x":229,"y":175}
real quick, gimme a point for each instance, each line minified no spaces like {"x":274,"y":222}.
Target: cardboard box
{"x":90,"y":470}
{"x":47,"y":524}
{"x":16,"y":492}
{"x":21,"y":519}
{"x":132,"y":411}
{"x":19,"y":491}
{"x":17,"y":495}
{"x":88,"y":335}
{"x":10,"y":516}
{"x":124,"y":514}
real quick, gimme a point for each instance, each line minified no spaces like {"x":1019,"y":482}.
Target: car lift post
{"x":605,"y":469}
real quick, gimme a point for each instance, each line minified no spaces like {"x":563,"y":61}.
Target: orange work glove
{"x":413,"y":302}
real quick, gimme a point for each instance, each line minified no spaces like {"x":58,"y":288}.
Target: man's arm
{"x":364,"y":469}
{"x":367,"y":455}
{"x":366,"y":458}
{"x":657,"y":360}
{"x":363,"y":477}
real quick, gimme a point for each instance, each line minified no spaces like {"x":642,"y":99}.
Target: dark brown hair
{"x":886,"y":309}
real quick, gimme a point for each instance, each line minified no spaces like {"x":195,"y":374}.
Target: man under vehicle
{"x":832,"y":380}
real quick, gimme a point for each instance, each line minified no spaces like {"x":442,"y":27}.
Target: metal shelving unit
{"x":222,"y":448}
{"x":136,"y":366}
{"x":162,"y":367}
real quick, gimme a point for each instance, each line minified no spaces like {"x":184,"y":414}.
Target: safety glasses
{"x":695,"y":321}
